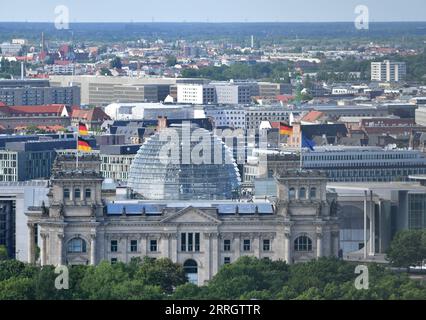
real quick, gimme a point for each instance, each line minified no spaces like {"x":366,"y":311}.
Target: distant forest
{"x":402,"y":32}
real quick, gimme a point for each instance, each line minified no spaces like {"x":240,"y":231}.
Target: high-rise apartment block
{"x":388,"y":71}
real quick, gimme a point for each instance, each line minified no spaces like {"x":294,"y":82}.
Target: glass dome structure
{"x":165,"y":169}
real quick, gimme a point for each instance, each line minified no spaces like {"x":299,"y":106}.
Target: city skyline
{"x":237,"y":11}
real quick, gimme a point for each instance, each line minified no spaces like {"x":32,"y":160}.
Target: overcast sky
{"x":213,"y":10}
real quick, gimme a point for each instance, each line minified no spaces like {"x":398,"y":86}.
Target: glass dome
{"x":164,"y":167}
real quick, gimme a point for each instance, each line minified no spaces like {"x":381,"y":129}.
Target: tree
{"x":171,"y":61}
{"x":3,"y":253}
{"x":408,"y":248}
{"x":105,"y":72}
{"x":116,"y":63}
{"x":99,"y":282}
{"x":161,"y":272}
{"x":17,"y":289}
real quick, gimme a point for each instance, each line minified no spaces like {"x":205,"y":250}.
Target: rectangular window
{"x":246,"y":245}
{"x":190,"y":242}
{"x":266,"y":245}
{"x":114,"y":260}
{"x":183,"y":242}
{"x":133,"y":245}
{"x":197,"y":242}
{"x":227,"y":245}
{"x":227,"y":260}
{"x":114,"y":245}
{"x":153,"y":246}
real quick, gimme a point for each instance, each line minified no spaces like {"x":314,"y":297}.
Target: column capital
{"x":31,"y":224}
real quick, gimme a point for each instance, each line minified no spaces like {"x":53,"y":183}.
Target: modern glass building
{"x":184,"y":163}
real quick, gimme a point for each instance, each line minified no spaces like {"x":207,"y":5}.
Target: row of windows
{"x":77,"y":193}
{"x":301,"y":244}
{"x":134,"y":245}
{"x":302,"y":193}
{"x":247,"y":245}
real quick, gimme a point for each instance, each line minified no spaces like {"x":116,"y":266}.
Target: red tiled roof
{"x":16,"y":110}
{"x":312,"y":116}
{"x":94,"y":114}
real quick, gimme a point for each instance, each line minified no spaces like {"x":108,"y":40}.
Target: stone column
{"x":335,"y":239}
{"x":207,"y":257}
{"x":31,"y":243}
{"x":372,"y":227}
{"x":43,"y":251}
{"x":126,"y":250}
{"x":256,"y":245}
{"x":174,"y":248}
{"x":319,"y":244}
{"x":237,"y":246}
{"x":287,"y":246}
{"x":165,"y":248}
{"x":143,"y":240}
{"x":93,"y":249}
{"x":365,"y":224}
{"x":60,"y":249}
{"x":215,"y":254}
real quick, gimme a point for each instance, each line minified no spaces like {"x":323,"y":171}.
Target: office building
{"x":16,"y":198}
{"x":388,"y":71}
{"x":116,"y":161}
{"x":103,"y":90}
{"x":28,"y":160}
{"x":365,"y":164}
{"x":372,"y":213}
{"x":151,"y":111}
{"x":196,"y":94}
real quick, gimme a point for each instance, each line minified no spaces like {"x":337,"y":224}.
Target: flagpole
{"x":301,"y":147}
{"x":76,"y":152}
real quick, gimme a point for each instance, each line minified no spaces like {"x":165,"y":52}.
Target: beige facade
{"x":79,"y":227}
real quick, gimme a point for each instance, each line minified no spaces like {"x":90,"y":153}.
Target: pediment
{"x":191,"y":215}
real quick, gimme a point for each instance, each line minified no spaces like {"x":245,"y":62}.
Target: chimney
{"x":162,"y":123}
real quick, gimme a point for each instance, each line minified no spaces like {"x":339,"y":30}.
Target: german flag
{"x":82,"y":129}
{"x":285,"y":130}
{"x":83,"y":145}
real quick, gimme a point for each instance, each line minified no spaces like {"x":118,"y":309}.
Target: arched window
{"x":76,"y":245}
{"x":313,"y":193}
{"x":302,"y":193}
{"x":303,"y":244}
{"x":77,"y":194}
{"x":88,"y":193}
{"x":292,"y":194}
{"x":66,"y":194}
{"x":191,"y":271}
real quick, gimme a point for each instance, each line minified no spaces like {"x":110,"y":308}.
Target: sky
{"x":213,"y":10}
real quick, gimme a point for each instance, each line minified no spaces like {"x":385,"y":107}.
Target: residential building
{"x":388,"y":71}
{"x":31,"y":96}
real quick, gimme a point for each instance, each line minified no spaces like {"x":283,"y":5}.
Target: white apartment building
{"x":388,"y":71}
{"x":196,"y":94}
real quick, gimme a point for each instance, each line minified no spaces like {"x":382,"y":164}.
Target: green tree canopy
{"x":408,"y":248}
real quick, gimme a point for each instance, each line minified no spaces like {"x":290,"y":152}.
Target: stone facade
{"x":79,"y":227}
